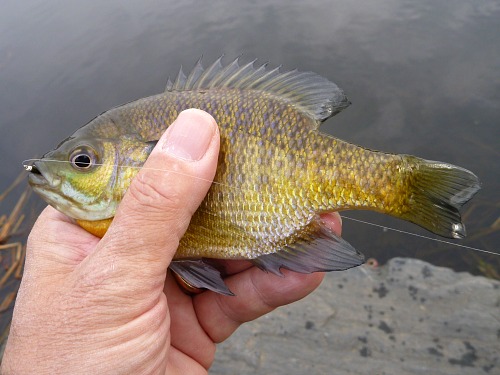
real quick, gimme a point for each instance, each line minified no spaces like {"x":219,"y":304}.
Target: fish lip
{"x":39,"y":176}
{"x":36,"y":176}
{"x":37,"y":179}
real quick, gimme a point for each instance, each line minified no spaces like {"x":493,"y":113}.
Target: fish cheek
{"x":92,"y":184}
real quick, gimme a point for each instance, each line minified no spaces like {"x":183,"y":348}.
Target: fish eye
{"x":83,"y":158}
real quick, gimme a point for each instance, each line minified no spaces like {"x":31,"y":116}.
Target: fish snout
{"x":39,"y":175}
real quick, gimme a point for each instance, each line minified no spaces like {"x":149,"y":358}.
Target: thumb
{"x":156,"y":210}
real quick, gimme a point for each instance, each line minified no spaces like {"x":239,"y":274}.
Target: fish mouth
{"x":39,"y":176}
{"x":46,"y":185}
{"x":36,"y":178}
{"x":34,"y":169}
{"x":45,"y":182}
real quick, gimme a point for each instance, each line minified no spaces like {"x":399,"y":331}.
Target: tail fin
{"x":438,"y":191}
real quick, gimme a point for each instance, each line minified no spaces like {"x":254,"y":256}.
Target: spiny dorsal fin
{"x":313,"y":94}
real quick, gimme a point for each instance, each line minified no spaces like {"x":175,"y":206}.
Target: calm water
{"x":423,"y":78}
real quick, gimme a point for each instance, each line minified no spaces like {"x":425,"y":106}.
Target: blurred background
{"x":423,"y":78}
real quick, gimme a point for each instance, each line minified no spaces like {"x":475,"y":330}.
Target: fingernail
{"x":190,"y":135}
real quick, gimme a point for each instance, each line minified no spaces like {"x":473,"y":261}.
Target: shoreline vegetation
{"x":13,"y":232}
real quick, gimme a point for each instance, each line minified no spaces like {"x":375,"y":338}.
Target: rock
{"x":407,"y":317}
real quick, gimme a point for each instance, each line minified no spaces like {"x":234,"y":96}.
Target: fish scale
{"x":276,"y":173}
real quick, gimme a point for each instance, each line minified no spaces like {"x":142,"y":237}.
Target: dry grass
{"x":12,"y":253}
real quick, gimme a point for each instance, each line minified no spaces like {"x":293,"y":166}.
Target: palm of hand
{"x":95,"y":316}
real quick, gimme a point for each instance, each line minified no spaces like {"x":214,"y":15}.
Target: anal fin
{"x":320,"y":250}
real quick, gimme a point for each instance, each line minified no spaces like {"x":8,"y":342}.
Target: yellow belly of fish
{"x":97,"y":228}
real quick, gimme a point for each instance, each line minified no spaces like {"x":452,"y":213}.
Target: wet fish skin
{"x":284,"y":175}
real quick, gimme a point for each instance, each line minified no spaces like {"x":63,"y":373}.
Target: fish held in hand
{"x":276,"y":173}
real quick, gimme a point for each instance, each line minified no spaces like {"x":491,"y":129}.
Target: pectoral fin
{"x":98,"y":227}
{"x":199,"y":274}
{"x":320,"y":250}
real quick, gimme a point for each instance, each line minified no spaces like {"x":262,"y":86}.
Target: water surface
{"x":422,"y":76}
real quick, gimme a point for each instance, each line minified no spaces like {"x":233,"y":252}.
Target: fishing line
{"x":419,"y":235}
{"x":28,"y":168}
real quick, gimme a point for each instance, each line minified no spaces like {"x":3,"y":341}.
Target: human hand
{"x":109,"y":306}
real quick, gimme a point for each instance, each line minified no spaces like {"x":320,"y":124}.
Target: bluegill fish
{"x":276,"y":173}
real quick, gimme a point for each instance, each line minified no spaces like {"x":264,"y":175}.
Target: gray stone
{"x":407,"y":317}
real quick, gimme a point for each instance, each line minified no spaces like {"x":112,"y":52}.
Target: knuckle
{"x":153,"y":193}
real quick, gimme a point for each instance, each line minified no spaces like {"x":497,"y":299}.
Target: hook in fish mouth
{"x":32,"y":169}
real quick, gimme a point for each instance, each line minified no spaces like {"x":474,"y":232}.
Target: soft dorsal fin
{"x":313,"y":94}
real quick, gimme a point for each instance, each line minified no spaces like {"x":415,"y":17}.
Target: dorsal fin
{"x":313,"y":94}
